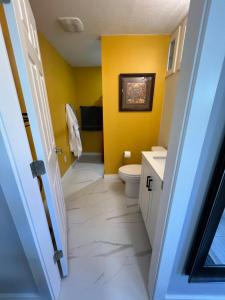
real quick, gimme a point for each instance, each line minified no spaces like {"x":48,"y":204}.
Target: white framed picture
{"x":181,"y":43}
{"x":173,"y":51}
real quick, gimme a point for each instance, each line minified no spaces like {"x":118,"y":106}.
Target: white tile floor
{"x":109,"y":252}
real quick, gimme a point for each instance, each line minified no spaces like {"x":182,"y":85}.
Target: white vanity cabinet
{"x":144,"y":196}
{"x":153,"y":209}
{"x":150,"y":190}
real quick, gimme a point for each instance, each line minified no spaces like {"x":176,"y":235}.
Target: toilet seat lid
{"x":131,"y":170}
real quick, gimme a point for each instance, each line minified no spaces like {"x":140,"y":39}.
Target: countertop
{"x":157,"y":164}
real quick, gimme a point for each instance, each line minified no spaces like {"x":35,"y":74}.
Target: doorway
{"x":89,"y":109}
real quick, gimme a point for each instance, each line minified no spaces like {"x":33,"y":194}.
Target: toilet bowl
{"x":131,"y":174}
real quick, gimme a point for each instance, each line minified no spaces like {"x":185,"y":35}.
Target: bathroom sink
{"x":157,"y":160}
{"x":160,"y":160}
{"x":159,"y":157}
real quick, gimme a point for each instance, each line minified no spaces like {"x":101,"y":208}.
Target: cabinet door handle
{"x":148,"y":183}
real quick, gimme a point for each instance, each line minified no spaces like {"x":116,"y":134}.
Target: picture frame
{"x":136,"y":91}
{"x":173,"y":52}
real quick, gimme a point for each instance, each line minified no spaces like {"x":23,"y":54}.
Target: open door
{"x":24,"y":201}
{"x":24,"y":39}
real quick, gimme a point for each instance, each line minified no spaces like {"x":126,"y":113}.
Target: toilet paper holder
{"x":127,"y":154}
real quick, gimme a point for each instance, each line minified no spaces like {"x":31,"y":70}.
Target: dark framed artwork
{"x":136,"y":91}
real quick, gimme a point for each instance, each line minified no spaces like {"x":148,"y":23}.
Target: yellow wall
{"x":88,"y":82}
{"x":134,"y":131}
{"x":61,"y":90}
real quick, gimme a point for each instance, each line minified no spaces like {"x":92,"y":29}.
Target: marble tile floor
{"x":81,"y":175}
{"x":108,"y":248}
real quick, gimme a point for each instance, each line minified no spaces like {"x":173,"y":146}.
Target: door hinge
{"x":162,"y":184}
{"x":57,"y":255}
{"x":37,"y":168}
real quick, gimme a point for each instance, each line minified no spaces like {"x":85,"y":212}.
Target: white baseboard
{"x":111,"y":177}
{"x":92,"y":153}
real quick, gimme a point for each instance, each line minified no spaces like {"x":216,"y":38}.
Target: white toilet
{"x":131,"y":175}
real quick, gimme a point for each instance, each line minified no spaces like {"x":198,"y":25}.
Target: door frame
{"x":194,"y":140}
{"x":21,"y":190}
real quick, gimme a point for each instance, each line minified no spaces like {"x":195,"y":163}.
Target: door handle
{"x":58,"y":150}
{"x":149,"y":183}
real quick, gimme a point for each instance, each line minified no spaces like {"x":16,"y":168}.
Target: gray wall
{"x":216,"y":129}
{"x":168,"y":108}
{"x":199,"y":112}
{"x":15,"y":274}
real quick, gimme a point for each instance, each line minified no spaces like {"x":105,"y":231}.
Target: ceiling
{"x":103,"y":17}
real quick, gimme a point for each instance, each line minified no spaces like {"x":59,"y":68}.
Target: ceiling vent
{"x":70,"y":24}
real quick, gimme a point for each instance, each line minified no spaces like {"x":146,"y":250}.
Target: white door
{"x":23,"y":196}
{"x":24,"y":39}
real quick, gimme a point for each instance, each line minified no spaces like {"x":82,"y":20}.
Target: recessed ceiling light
{"x":71,"y":24}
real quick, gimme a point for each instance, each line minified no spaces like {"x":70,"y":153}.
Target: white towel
{"x":74,"y":134}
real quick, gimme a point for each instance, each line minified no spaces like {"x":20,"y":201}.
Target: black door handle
{"x":148,"y":183}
